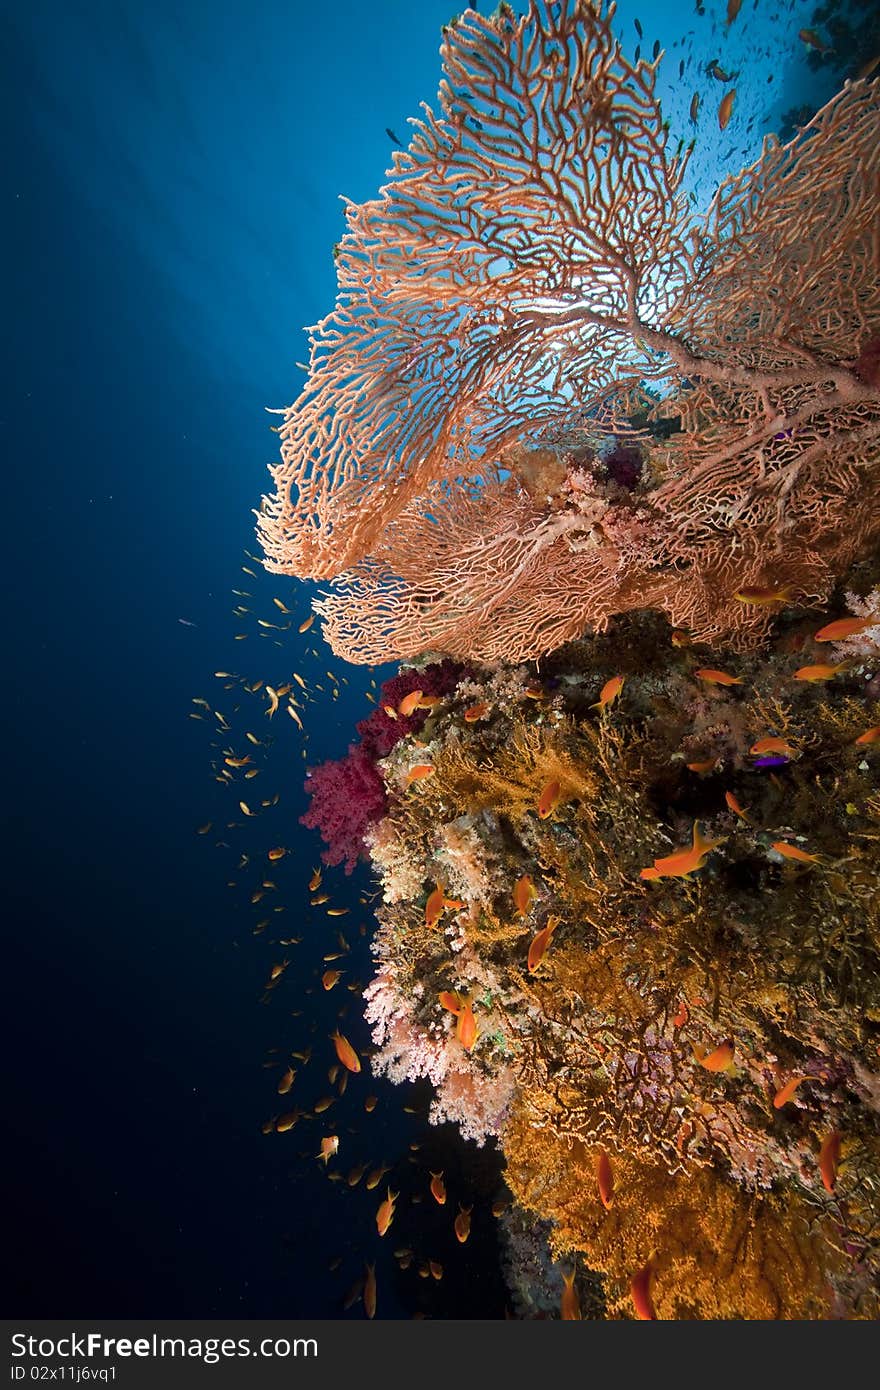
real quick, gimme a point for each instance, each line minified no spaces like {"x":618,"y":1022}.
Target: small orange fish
{"x":844,"y":627}
{"x":820,"y":672}
{"x":829,"y":1159}
{"x":286,"y":1082}
{"x":418,"y":773}
{"x":462,"y":1224}
{"x":329,"y":1147}
{"x":374,"y":1178}
{"x":345,"y":1052}
{"x":793,"y":852}
{"x":438,"y":1188}
{"x":436,"y":1269}
{"x":475,"y":712}
{"x":451,"y":1000}
{"x":370,"y":1291}
{"x":331,"y":978}
{"x":787,"y":1092}
{"x":304,"y":626}
{"x":772,"y":745}
{"x":870,"y":735}
{"x":466,"y":1027}
{"x":684,"y":861}
{"x":640,"y":1293}
{"x":390,"y":711}
{"x":370,"y":1104}
{"x":570,"y":1310}
{"x":762,"y":596}
{"x":315,"y":881}
{"x":680,"y":638}
{"x":409,"y":703}
{"x":434,"y":906}
{"x":549,"y":800}
{"x":726,"y":108}
{"x":609,"y":692}
{"x":734,"y":806}
{"x":605,"y":1179}
{"x":385,"y":1214}
{"x":534,"y":692}
{"x":539,"y":945}
{"x":707,"y":765}
{"x":719,"y":1060}
{"x":712,"y":677}
{"x":810,"y":37}
{"x":275,"y":854}
{"x":524,"y":895}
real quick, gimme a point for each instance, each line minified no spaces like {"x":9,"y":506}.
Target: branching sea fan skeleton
{"x":531,"y":285}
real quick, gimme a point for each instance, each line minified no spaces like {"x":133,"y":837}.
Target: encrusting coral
{"x":711,"y":1029}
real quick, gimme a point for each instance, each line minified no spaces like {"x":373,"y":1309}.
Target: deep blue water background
{"x":171,"y":203}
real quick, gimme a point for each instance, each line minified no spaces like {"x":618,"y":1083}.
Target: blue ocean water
{"x":171,"y":202}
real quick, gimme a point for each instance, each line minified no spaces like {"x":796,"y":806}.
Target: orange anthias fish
{"x":466,"y":1027}
{"x":719,"y":1060}
{"x":829,"y":1159}
{"x":844,"y":627}
{"x":418,"y":773}
{"x":762,"y":596}
{"x":438,"y":1188}
{"x":549,"y":800}
{"x":707,"y":765}
{"x":475,"y":712}
{"x":315,"y":881}
{"x":726,"y":108}
{"x":331,"y":978}
{"x":684,"y":861}
{"x":451,"y":1000}
{"x":370,"y":1292}
{"x":605,"y":1179}
{"x":870,"y":735}
{"x":812,"y":38}
{"x":640,"y":1293}
{"x":434,"y":906}
{"x":821,"y":672}
{"x":329,"y":1147}
{"x":680,"y":638}
{"x":385,"y":1214}
{"x":345,"y":1052}
{"x":524,"y":895}
{"x":793,"y":852}
{"x":787,"y":1092}
{"x":734,"y":806}
{"x":437,"y":904}
{"x":570,"y":1310}
{"x":540,"y":943}
{"x":772,"y":745}
{"x":609,"y":692}
{"x":463,"y":1224}
{"x":713,"y":677}
{"x":409,"y":703}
